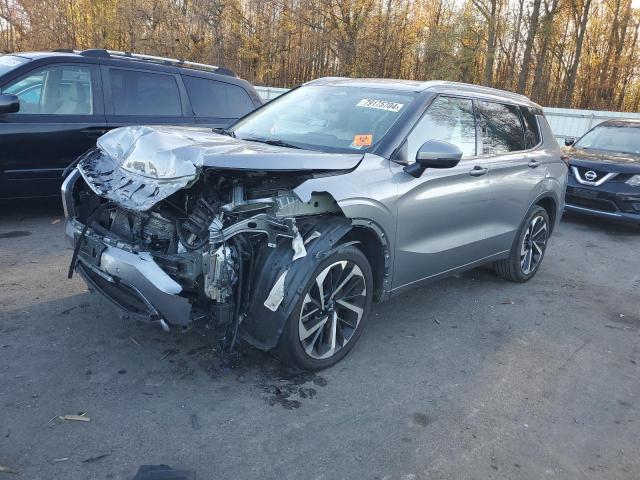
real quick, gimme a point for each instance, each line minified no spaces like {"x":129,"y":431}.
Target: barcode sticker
{"x":380,"y":105}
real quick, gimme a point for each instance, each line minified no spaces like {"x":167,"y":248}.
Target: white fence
{"x":567,"y":122}
{"x":564,"y":122}
{"x":269,"y":93}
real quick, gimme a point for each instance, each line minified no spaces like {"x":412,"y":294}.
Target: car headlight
{"x":634,"y":181}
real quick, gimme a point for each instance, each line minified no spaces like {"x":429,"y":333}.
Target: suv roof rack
{"x":102,"y":53}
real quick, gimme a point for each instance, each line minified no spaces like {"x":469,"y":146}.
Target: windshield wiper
{"x":275,"y":142}
{"x":224,"y":131}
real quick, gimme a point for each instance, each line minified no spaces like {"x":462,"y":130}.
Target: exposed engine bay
{"x":231,"y":244}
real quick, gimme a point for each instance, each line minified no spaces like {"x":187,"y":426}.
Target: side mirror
{"x":9,"y":103}
{"x":569,"y":141}
{"x":434,"y":154}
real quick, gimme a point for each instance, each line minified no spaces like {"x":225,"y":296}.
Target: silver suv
{"x":283,"y":229}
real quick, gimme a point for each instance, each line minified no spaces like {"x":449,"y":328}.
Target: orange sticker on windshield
{"x":362,"y":140}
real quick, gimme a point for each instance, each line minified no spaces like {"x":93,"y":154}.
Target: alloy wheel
{"x":533,"y":244}
{"x":332,"y":309}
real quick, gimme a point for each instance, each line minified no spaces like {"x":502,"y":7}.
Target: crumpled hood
{"x":139,"y":166}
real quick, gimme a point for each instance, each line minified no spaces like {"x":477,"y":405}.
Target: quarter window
{"x":449,"y":119}
{"x":532,"y":135}
{"x":55,"y":90}
{"x":501,"y":128}
{"x":136,"y":93}
{"x":217,"y":99}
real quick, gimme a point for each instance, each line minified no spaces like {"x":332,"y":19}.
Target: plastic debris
{"x":8,"y":470}
{"x":75,"y":418}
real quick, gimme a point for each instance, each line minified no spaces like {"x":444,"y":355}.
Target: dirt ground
{"x":471,"y":377}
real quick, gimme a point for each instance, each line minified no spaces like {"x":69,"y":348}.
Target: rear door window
{"x":139,"y":93}
{"x":210,"y":98}
{"x":55,"y":90}
{"x":501,"y":128}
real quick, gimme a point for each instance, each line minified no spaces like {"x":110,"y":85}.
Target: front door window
{"x":55,"y":90}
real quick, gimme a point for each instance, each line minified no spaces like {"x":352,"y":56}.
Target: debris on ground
{"x":507,"y":302}
{"x":81,"y":417}
{"x":163,"y":472}
{"x":194,"y":422}
{"x":171,"y":351}
{"x":58,"y":460}
{"x":57,"y":220}
{"x":8,"y":470}
{"x":96,"y":458}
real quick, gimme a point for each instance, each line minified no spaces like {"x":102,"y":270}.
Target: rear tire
{"x":331,"y":312}
{"x":528,"y":248}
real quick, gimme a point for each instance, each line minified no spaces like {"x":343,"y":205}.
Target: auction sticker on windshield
{"x":362,"y":140}
{"x":380,"y":105}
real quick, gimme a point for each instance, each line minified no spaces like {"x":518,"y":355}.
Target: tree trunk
{"x":571,"y":82}
{"x":528,"y":49}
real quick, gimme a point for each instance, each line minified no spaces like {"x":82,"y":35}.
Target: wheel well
{"x":372,"y":247}
{"x":549,"y":204}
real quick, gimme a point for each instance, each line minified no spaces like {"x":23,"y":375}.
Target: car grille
{"x":591,"y":203}
{"x":582,"y":171}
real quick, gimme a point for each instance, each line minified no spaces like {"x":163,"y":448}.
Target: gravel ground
{"x":471,"y":377}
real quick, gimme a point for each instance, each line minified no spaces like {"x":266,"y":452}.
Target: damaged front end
{"x":176,"y":225}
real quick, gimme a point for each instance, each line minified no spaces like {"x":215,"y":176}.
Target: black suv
{"x":605,"y":171}
{"x":54,"y":105}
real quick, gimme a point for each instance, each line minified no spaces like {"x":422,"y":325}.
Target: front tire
{"x":331,"y":312}
{"x":528,"y":248}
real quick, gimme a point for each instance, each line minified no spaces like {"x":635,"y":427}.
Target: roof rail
{"x":101,"y":53}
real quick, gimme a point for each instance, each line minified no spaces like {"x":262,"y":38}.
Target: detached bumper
{"x":132,"y":281}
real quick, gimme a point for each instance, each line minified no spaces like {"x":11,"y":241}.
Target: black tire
{"x":512,"y":268}
{"x":292,"y":350}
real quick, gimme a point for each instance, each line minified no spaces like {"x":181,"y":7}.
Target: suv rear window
{"x":136,"y":93}
{"x":210,"y":98}
{"x":502,"y":130}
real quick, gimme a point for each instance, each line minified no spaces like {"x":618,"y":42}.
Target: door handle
{"x":478,"y":171}
{"x":533,"y":163}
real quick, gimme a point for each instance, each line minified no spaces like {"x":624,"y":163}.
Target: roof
{"x":129,"y":56}
{"x":439,"y":86}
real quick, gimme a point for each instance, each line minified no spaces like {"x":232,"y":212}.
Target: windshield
{"x":623,"y":139}
{"x":9,"y":62}
{"x":320,"y":117}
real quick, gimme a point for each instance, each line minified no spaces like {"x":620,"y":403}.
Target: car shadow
{"x":590,"y":223}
